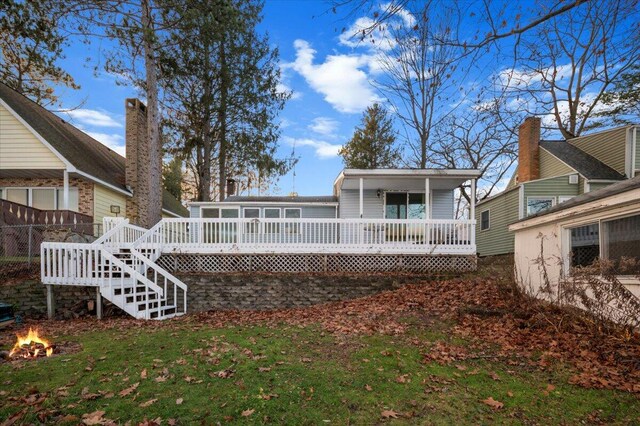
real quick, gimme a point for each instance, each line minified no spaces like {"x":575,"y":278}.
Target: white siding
{"x":20,"y":149}
{"x":442,"y":204}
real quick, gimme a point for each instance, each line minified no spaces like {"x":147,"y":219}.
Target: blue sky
{"x":328,"y":78}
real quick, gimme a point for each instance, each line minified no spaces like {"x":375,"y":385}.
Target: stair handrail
{"x":150,"y":237}
{"x":134,"y":274}
{"x":110,"y":233}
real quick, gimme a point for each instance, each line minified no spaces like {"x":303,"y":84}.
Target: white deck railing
{"x":311,"y":236}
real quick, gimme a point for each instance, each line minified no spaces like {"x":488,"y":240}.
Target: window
{"x":270,"y":227}
{"x":43,"y":199}
{"x":73,"y":199}
{"x":292,"y":227}
{"x":416,"y":206}
{"x":253,"y":226}
{"x":538,"y":204}
{"x":484,"y":220}
{"x":20,"y":196}
{"x":585,"y":245}
{"x":621,"y":242}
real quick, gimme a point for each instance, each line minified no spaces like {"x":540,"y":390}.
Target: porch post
{"x":65,"y":190}
{"x":427,"y":201}
{"x":361,"y":198}
{"x":472,"y":197}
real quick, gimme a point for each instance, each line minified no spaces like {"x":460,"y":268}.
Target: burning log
{"x":31,"y":346}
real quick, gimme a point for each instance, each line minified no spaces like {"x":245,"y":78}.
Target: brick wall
{"x":529,"y":150}
{"x":29,"y":299}
{"x":85,"y":188}
{"x":273,"y":291}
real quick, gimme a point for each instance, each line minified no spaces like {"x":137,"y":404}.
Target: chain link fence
{"x":20,"y":245}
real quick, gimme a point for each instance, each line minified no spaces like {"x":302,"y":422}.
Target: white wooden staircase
{"x":122,"y":264}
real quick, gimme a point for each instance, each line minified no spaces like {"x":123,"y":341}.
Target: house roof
{"x":580,"y":161}
{"x":320,"y":199}
{"x":613,"y":189}
{"x":81,"y":150}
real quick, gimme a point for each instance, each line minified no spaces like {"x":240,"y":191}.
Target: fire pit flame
{"x":31,"y":345}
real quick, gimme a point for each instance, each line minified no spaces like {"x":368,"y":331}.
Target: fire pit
{"x":31,"y":345}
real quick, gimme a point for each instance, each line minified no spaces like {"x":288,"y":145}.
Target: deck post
{"x":65,"y":190}
{"x":427,"y":199}
{"x":50,"y":302}
{"x":472,"y":197}
{"x":98,"y":304}
{"x":361,"y":198}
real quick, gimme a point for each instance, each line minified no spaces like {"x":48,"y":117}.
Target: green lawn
{"x":283,"y":374}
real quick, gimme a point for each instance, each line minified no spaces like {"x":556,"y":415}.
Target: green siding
{"x":553,"y":187}
{"x":550,"y":166}
{"x":608,"y":146}
{"x":598,"y":185}
{"x":512,"y":181}
{"x":503,"y":211}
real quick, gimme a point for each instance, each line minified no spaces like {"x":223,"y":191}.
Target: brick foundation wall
{"x":273,"y":291}
{"x":29,"y":299}
{"x":85,"y":188}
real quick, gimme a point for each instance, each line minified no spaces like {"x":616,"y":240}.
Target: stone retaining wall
{"x":29,"y":299}
{"x":273,"y":291}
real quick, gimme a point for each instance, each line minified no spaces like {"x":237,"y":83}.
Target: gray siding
{"x":598,"y":185}
{"x":319,"y":212}
{"x":442,"y":204}
{"x":374,"y":207}
{"x":350,"y":204}
{"x":194,"y":211}
{"x":503,"y":211}
{"x":608,"y":146}
{"x":550,"y":166}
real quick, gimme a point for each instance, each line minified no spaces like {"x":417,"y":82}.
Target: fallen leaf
{"x":368,"y":388}
{"x":247,"y":413}
{"x":94,"y":418}
{"x":148,"y":403}
{"x":389,"y":414}
{"x":510,"y":394}
{"x":128,"y":390}
{"x":179,"y":401}
{"x":143,"y":374}
{"x":264,"y":369}
{"x":496,"y":405}
{"x":494,"y":376}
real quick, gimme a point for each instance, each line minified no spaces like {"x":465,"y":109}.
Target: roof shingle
{"x":580,"y":161}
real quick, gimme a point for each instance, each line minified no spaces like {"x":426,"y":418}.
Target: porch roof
{"x":403,"y":179}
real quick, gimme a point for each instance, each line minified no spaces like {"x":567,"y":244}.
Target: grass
{"x":293,"y":375}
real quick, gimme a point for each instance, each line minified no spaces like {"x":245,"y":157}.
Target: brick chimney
{"x":231,"y":187}
{"x":135,"y":135}
{"x":529,"y":150}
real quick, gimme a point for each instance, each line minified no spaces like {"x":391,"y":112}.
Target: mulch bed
{"x":486,"y":312}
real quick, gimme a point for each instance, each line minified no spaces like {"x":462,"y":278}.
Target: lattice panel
{"x":316,"y":263}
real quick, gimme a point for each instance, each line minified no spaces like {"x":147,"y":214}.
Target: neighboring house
{"x":602,"y":224}
{"x":48,"y":165}
{"x":552,"y":172}
{"x":387,"y":220}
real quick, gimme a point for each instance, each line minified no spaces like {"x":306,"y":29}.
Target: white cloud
{"x":92,"y":117}
{"x":340,"y":78}
{"x":323,"y":150}
{"x":323,"y":126}
{"x":113,"y":141}
{"x":377,"y":39}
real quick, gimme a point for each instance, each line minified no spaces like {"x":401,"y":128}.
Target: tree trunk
{"x":150,"y":212}
{"x":222,"y":120}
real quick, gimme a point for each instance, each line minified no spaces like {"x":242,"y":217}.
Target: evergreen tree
{"x":172,"y":177}
{"x":373,"y":145}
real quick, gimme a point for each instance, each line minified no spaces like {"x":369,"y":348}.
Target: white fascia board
{"x":103,"y":183}
{"x":171,"y":213}
{"x":466,"y":173}
{"x":70,"y":167}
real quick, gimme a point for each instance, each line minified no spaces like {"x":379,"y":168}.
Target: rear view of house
{"x":552,"y":172}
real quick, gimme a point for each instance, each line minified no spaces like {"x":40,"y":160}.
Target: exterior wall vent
{"x":573,"y":179}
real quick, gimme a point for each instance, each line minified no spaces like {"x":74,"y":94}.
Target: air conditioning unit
{"x":573,"y":179}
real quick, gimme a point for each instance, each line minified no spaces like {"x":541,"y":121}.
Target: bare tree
{"x":568,"y":63}
{"x":417,"y":78}
{"x":478,"y":138}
